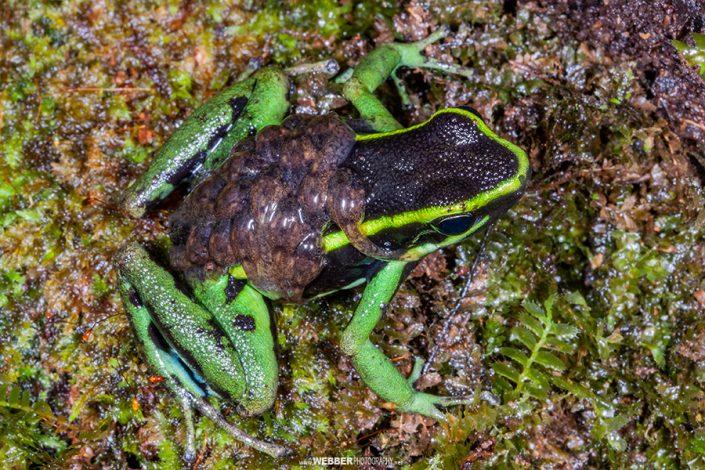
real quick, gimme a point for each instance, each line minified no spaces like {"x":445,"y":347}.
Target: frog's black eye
{"x":473,"y":111}
{"x":455,"y":225}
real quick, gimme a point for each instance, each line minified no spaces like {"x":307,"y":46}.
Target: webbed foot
{"x":412,"y":55}
{"x":425,"y":403}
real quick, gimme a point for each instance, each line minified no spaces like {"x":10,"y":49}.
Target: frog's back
{"x":265,"y":207}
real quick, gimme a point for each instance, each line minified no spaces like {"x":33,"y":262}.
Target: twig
{"x":443,"y":337}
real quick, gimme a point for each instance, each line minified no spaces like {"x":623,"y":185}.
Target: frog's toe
{"x":453,"y":401}
{"x":189,"y":456}
{"x":426,"y":404}
{"x":416,"y":371}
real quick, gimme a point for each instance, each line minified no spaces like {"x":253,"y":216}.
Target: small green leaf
{"x":538,"y":377}
{"x":531,"y":323}
{"x":699,"y":39}
{"x":572,"y":387}
{"x":14,"y":399}
{"x":679,"y":45}
{"x":180,"y":82}
{"x":6,"y":191}
{"x":524,"y":336}
{"x":548,"y":303}
{"x":565,"y":331}
{"x":43,"y":408}
{"x":77,"y":407}
{"x":506,"y":370}
{"x":616,"y":441}
{"x":534,"y":309}
{"x":25,"y":400}
{"x":697,"y":445}
{"x":550,"y":360}
{"x":13,"y":150}
{"x":30,"y":215}
{"x":537,"y":391}
{"x":516,"y":355}
{"x":559,"y":345}
{"x":118,"y":109}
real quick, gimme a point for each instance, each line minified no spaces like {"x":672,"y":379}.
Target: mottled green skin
{"x":266,"y":105}
{"x":225,"y":336}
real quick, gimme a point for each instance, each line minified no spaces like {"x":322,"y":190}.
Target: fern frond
{"x":28,"y":427}
{"x":534,"y":357}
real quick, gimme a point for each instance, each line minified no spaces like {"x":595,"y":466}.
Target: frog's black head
{"x":437,"y":181}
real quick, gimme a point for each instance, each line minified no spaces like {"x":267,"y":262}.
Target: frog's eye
{"x":473,"y":111}
{"x":454,"y":225}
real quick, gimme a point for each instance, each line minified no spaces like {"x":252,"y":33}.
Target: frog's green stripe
{"x":336,"y":240}
{"x":420,"y":251}
{"x":238,"y":272}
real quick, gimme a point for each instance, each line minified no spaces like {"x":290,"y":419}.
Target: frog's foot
{"x":273,"y":450}
{"x":190,"y":444}
{"x":425,"y":403}
{"x":374,"y":368}
{"x":382,"y":63}
{"x":412,"y":55}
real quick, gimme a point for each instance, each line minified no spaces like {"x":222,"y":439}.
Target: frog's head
{"x":406,"y":193}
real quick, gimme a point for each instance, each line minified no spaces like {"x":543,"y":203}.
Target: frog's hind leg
{"x":243,"y":315}
{"x":375,"y":369}
{"x":204,"y":140}
{"x":182,"y":344}
{"x":383,"y":63}
{"x":165,"y":363}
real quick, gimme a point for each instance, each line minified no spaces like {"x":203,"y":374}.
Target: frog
{"x":286,"y":207}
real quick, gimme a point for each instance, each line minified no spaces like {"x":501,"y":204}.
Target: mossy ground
{"x":609,"y":371}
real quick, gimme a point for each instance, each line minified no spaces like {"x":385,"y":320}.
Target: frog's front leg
{"x":381,"y":64}
{"x":225,"y":342}
{"x":375,"y":369}
{"x":208,"y":135}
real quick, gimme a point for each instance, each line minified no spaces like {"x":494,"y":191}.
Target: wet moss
{"x":610,"y":228}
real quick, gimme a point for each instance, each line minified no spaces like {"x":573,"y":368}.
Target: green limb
{"x":245,"y":320}
{"x":208,"y":135}
{"x":372,"y":71}
{"x":176,"y":377}
{"x":188,"y":328}
{"x":375,"y":369}
{"x":190,"y":445}
{"x":383,"y":63}
{"x":163,"y":359}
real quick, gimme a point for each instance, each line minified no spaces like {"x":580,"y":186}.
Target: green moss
{"x":695,"y":54}
{"x":608,"y":222}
